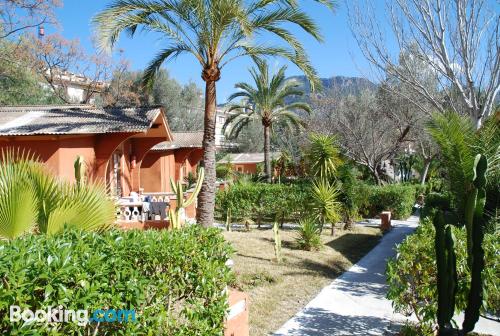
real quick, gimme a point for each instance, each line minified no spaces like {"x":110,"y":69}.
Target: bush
{"x":435,"y":200}
{"x":309,"y":237}
{"x":371,"y":200}
{"x":174,"y":280}
{"x":412,"y":274}
{"x":262,"y":200}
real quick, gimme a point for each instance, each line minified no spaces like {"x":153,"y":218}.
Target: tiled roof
{"x":74,"y":119}
{"x":237,"y":158}
{"x":182,"y":140}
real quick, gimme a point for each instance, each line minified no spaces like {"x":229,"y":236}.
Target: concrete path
{"x":355,"y":303}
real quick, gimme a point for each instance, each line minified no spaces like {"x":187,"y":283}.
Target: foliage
{"x":262,"y":200}
{"x":412,"y":274}
{"x":183,"y":104}
{"x":224,"y":171}
{"x":323,"y":155}
{"x":324,"y":206}
{"x":459,"y":144}
{"x":347,"y":180}
{"x":19,"y":84}
{"x":147,"y":271}
{"x":31,"y":199}
{"x":308,"y":235}
{"x":371,"y":200}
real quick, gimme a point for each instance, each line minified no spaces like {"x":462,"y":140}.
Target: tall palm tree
{"x":267,"y":102}
{"x":215,"y":32}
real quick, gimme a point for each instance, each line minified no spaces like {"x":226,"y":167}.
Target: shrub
{"x":412,"y":274}
{"x":174,"y":280}
{"x":309,"y":237}
{"x":371,"y":200}
{"x":262,"y":200}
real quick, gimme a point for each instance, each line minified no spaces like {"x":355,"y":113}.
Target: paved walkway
{"x":355,"y":303}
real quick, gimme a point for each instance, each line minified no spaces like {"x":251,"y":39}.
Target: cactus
{"x":277,"y":242}
{"x":79,"y":170}
{"x":446,"y":273}
{"x":475,"y":236}
{"x":174,"y":215}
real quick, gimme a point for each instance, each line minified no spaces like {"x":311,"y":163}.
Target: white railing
{"x":128,"y":210}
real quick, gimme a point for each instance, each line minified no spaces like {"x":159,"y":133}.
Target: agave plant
{"x":33,"y":200}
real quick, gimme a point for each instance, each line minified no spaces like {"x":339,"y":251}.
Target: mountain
{"x":341,"y":84}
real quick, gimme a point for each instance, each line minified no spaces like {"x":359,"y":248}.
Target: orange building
{"x":116,"y":144}
{"x":246,"y":163}
{"x":171,"y":159}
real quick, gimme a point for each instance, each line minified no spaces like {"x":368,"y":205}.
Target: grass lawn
{"x":279,"y":291}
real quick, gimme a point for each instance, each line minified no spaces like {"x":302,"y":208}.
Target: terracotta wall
{"x":246,"y":168}
{"x":156,"y":169}
{"x":158,"y":166}
{"x":59,"y":153}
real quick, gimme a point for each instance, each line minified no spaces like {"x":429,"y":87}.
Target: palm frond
{"x":455,"y":136}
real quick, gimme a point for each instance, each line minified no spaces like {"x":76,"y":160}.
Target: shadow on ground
{"x":319,"y":322}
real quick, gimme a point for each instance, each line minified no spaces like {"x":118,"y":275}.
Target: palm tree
{"x":215,"y":32}
{"x":267,"y":103}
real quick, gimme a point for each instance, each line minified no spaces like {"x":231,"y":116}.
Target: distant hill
{"x":344,"y":85}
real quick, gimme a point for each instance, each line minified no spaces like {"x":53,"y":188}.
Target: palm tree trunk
{"x":206,"y":198}
{"x":267,"y":160}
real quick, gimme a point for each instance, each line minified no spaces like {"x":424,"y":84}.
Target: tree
{"x":458,"y":40}
{"x":61,"y":62}
{"x":18,"y":15}
{"x":215,"y":33}
{"x":266,"y":102}
{"x":182,"y":103}
{"x":19,"y":84}
{"x":366,"y":134}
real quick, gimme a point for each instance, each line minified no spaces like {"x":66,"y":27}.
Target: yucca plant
{"x":31,"y":199}
{"x":323,"y":156}
{"x":325,"y":207}
{"x":308,"y":236}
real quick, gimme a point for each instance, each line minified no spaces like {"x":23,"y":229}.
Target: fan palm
{"x":266,"y":101}
{"x":215,"y":32}
{"x":31,"y":199}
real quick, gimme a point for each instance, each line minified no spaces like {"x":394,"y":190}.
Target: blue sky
{"x":338,"y":55}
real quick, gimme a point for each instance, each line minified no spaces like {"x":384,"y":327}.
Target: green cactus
{"x":79,"y":170}
{"x":446,"y":273}
{"x":475,"y":236}
{"x":277,"y":242}
{"x":174,"y":215}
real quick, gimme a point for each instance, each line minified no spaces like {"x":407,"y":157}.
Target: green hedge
{"x":412,"y":274}
{"x":371,"y":200}
{"x":174,"y":281}
{"x":262,"y":200}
